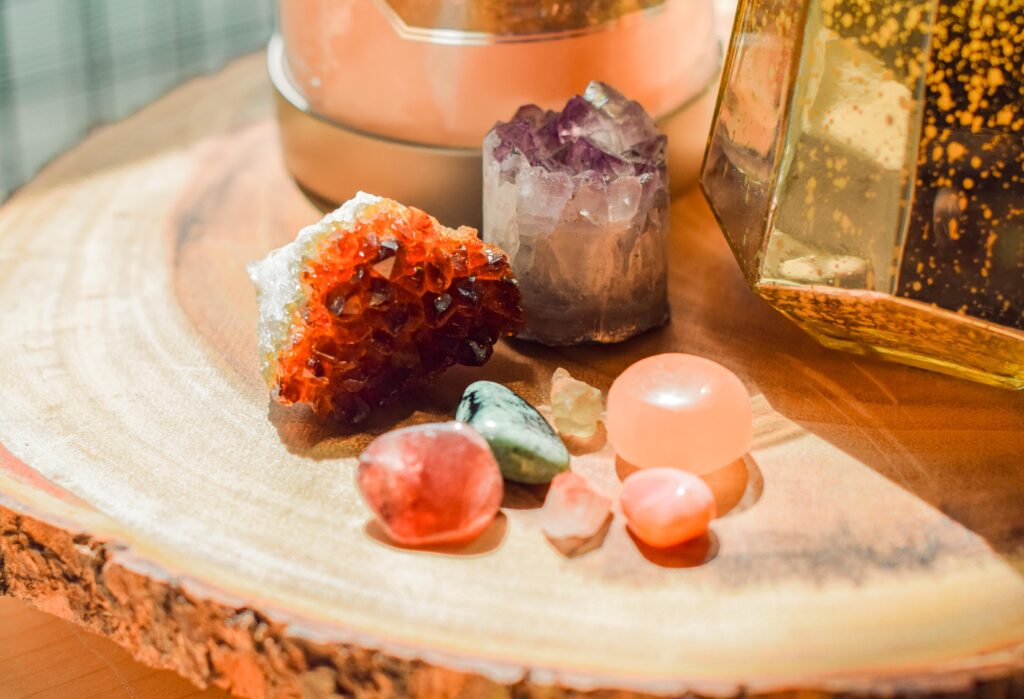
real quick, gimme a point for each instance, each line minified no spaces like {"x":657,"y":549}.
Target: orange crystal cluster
{"x":391,"y":302}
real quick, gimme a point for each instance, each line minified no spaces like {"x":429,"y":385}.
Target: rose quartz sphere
{"x":681,"y":411}
{"x":431,"y":484}
{"x":666,"y":506}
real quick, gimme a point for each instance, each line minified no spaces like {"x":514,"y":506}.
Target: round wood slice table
{"x":873,"y":540}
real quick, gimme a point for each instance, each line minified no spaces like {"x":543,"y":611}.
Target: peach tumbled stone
{"x":431,"y":484}
{"x":666,"y":506}
{"x":681,"y":411}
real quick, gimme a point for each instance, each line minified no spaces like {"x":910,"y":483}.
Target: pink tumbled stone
{"x":681,"y":411}
{"x":573,"y":509}
{"x":666,"y":506}
{"x":431,"y":484}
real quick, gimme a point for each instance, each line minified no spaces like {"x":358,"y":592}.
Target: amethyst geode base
{"x":579,"y":201}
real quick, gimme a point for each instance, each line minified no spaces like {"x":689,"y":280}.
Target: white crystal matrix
{"x":276,"y":278}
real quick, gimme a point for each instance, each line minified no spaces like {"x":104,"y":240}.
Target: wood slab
{"x":873,"y":541}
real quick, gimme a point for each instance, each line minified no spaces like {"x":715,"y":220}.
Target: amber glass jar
{"x":867,"y":166}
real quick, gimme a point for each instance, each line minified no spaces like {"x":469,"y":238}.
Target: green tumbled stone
{"x":527,"y":449}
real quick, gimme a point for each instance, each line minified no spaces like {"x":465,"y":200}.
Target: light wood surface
{"x":873,"y":540}
{"x":42,"y":656}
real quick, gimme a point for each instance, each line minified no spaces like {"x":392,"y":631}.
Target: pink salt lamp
{"x":681,"y":411}
{"x":665,"y":506}
{"x":431,"y":484}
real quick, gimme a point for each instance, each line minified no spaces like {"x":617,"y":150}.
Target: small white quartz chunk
{"x":576,"y":406}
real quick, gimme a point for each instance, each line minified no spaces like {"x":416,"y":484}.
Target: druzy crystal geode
{"x":579,"y":200}
{"x":374,"y":299}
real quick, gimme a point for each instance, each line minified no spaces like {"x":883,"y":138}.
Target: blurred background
{"x":67,"y":66}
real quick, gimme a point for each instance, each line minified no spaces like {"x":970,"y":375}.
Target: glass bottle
{"x":866,"y":164}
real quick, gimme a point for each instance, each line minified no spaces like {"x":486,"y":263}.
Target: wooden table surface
{"x":42,"y":656}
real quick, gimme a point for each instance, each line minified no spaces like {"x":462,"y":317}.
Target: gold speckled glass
{"x":867,"y":167}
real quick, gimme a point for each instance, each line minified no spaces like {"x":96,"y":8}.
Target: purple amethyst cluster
{"x":579,"y":200}
{"x":599,"y":132}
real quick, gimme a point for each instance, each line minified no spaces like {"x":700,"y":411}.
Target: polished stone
{"x":527,"y":448}
{"x":665,"y":506}
{"x":679,"y":410}
{"x":431,"y":484}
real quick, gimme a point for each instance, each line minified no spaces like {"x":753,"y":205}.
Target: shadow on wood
{"x":486,"y":543}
